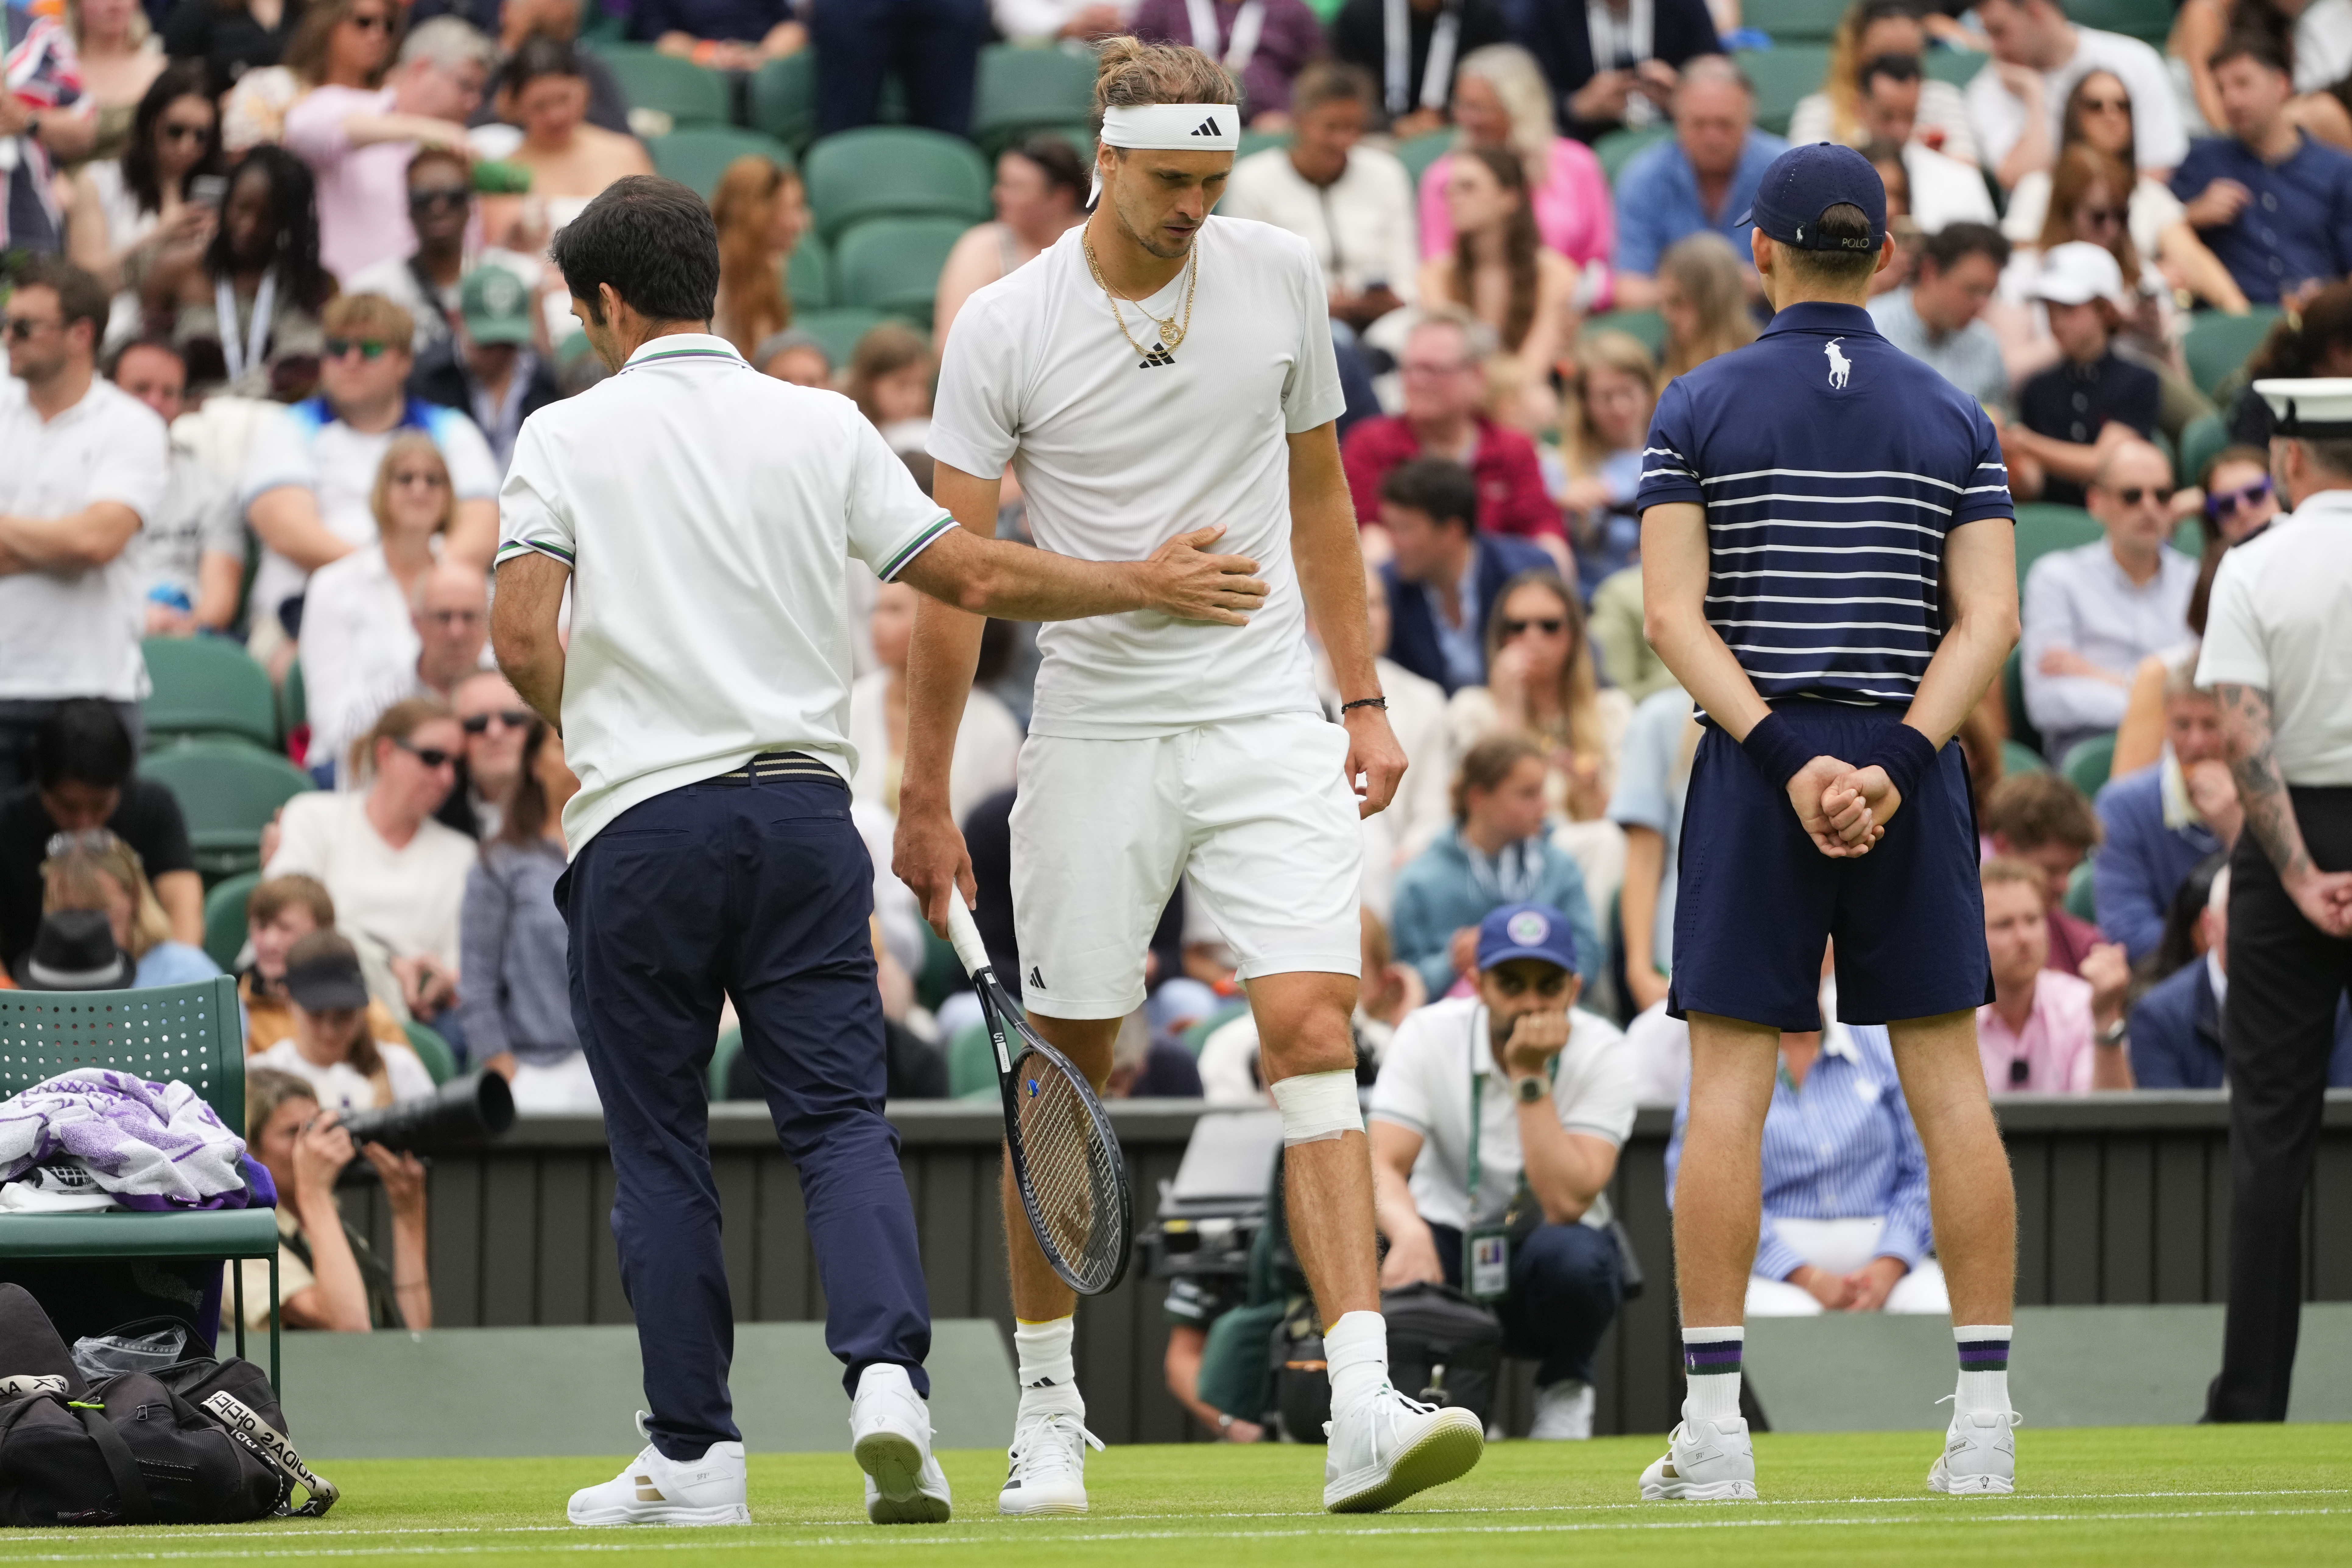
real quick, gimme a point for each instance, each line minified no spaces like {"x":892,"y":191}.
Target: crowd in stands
{"x":279,"y":303}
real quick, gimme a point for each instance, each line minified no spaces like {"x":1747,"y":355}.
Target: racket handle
{"x":970,"y":949}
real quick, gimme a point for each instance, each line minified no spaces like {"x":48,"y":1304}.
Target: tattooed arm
{"x":2324,"y":896}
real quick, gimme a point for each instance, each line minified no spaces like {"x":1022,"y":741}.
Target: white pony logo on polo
{"x":1527,"y":928}
{"x":1840,"y":367}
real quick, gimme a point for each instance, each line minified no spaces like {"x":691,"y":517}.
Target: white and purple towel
{"x":149,"y":1145}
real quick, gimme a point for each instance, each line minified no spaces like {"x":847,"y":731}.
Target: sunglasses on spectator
{"x":2101,"y":217}
{"x":512,"y":718}
{"x":431,"y":756}
{"x":2107,"y":106}
{"x":1550,"y":625}
{"x":185,"y":131}
{"x":435,"y":198}
{"x":370,"y":21}
{"x":22,"y":327}
{"x":2225,"y":503}
{"x":425,"y":477}
{"x":450,"y":618}
{"x":369,"y":348}
{"x":2132,"y":495}
{"x":1901,"y":67}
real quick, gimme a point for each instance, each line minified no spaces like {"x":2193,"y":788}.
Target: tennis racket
{"x":1065,"y":1158}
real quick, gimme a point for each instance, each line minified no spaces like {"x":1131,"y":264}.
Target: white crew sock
{"x":1984,"y":1369}
{"x":1711,"y":1366}
{"x":1049,"y":1376}
{"x":1356,"y":1353}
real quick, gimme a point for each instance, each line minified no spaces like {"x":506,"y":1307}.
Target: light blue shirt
{"x":2081,"y":599}
{"x":1658,"y":201}
{"x":1969,"y":359}
{"x":174,"y":963}
{"x":1463,"y":648}
{"x":1653,"y":777}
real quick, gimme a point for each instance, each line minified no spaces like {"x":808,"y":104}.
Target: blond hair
{"x":398,"y":722}
{"x":1131,"y":73}
{"x":1619,"y":352}
{"x":70,"y":881}
{"x":1519,"y":81}
{"x":368,"y":315}
{"x":408,"y":444}
{"x":2001,"y":868}
{"x":1706,"y":269}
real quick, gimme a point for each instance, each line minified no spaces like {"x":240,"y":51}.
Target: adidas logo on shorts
{"x":1035,"y":978}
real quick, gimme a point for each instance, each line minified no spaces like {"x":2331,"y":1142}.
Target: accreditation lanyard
{"x":237,"y":355}
{"x":1437,"y":76}
{"x":1248,"y":22}
{"x":1487,"y":1249}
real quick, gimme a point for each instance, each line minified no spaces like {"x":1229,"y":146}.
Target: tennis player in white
{"x":1159,"y":369}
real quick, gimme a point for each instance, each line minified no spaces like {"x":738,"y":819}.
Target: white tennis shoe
{"x":1979,"y":1454}
{"x":1389,"y":1447}
{"x":1047,"y":1468}
{"x":656,"y":1490}
{"x":1563,"y":1411}
{"x":890,"y":1436}
{"x":1705,"y":1461}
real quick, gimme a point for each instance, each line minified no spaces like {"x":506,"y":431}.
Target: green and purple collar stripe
{"x":1701,"y":1358}
{"x":1984,"y":1355}
{"x":929,"y":537}
{"x":514,"y":547}
{"x":720,"y":354}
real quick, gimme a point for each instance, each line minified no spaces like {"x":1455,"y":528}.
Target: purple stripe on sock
{"x":1710,"y":1355}
{"x":1983,"y":1352}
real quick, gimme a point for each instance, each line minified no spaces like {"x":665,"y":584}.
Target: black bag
{"x":1302,"y":1382}
{"x":1443,"y":1348}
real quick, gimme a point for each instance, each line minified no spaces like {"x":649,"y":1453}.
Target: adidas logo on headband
{"x":1209,"y":127}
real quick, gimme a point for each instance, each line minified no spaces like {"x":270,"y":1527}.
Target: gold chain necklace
{"x":1171,"y":333}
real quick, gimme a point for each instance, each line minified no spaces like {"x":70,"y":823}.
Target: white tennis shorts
{"x":1256,"y":811}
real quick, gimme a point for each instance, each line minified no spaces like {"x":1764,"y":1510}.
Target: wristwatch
{"x":1530,"y":1090}
{"x":2114,"y":1034}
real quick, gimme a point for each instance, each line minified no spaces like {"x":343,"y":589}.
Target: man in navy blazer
{"x":2162,"y":819}
{"x":1446,"y":575}
{"x":2176,"y":1030}
{"x":1593,"y":98}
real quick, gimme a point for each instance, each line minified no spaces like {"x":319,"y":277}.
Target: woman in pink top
{"x":1500,"y":101}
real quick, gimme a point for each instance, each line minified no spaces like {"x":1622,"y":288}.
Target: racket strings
{"x":1073,"y":1176}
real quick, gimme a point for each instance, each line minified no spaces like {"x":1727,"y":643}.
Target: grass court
{"x":2148,"y":1497}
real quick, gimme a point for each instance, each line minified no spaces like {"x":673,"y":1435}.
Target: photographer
{"x":1495,"y":1126}
{"x":328,"y":1278}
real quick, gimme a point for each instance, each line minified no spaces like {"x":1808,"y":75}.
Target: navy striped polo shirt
{"x":1832,"y":465}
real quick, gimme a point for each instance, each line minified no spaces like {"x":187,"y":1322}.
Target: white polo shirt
{"x":1425,"y":1085}
{"x":2281,"y":618}
{"x":76,"y":634}
{"x":708,"y":514}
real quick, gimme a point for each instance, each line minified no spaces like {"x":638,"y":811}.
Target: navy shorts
{"x":1757,"y":899}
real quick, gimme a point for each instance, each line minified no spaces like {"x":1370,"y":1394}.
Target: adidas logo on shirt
{"x":1207,"y":127}
{"x":1158,"y":356}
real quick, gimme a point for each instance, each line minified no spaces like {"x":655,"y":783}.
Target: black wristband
{"x":1906,"y":754}
{"x":1380,"y":702}
{"x":1777,"y":748}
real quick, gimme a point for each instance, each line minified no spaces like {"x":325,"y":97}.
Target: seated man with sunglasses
{"x":2093,"y":612}
{"x":441,"y":213}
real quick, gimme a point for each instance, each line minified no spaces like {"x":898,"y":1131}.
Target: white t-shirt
{"x":307,"y":447}
{"x":987,"y":748}
{"x":2281,"y":619}
{"x":1117,"y":455}
{"x":1424,"y":1084}
{"x":2323,"y":44}
{"x":708,"y":514}
{"x":342,"y":1087}
{"x":76,"y":633}
{"x":357,"y":633}
{"x":2158,"y":141}
{"x":407,"y":899}
{"x":1362,"y":226}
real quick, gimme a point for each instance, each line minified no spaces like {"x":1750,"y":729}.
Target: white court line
{"x":1724,"y":1518}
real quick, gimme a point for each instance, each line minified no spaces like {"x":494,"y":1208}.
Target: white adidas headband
{"x":1171,"y":128}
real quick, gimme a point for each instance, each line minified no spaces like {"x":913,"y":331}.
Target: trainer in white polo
{"x":656,"y":1490}
{"x":1045,"y":1469}
{"x":890,"y":1436}
{"x":1705,"y":1461}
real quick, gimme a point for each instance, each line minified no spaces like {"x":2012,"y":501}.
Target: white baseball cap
{"x":2078,"y":272}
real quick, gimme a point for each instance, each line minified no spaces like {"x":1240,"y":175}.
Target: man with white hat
{"x":2071,"y":415}
{"x":2278,"y":654}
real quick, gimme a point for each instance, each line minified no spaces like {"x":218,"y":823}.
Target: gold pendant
{"x":1171,"y":336}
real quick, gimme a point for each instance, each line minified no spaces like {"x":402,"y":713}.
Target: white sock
{"x":1356,"y":1353}
{"x":1049,"y":1376}
{"x":1711,"y":1365}
{"x":1984,"y":1369}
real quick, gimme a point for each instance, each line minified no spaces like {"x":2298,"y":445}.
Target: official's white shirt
{"x":708,"y":514}
{"x":1361,"y":225}
{"x":1424,"y":1084}
{"x":2281,"y":619}
{"x":2158,"y":141}
{"x":1117,"y":455}
{"x":76,"y":633}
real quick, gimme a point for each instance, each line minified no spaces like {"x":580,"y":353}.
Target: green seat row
{"x":228,"y":792}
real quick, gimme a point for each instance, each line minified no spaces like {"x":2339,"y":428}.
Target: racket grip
{"x":970,"y":949}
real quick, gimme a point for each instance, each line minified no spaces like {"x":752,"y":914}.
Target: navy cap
{"x":1526,"y":930}
{"x":1804,"y":183}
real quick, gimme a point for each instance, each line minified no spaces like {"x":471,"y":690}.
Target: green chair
{"x":2205,"y":436}
{"x":2021,"y":731}
{"x":894,"y":171}
{"x":1080,"y":135}
{"x":293,"y":701}
{"x":2017,"y":759}
{"x":2189,"y":538}
{"x":808,"y":277}
{"x":207,"y":686}
{"x":1259,"y":141}
{"x":433,"y":1051}
{"x":189,"y":1033}
{"x":2218,"y":346}
{"x":1419,"y":154}
{"x":722,"y":1063}
{"x":839,"y":329}
{"x":1619,"y":148}
{"x":225,"y":918}
{"x":1198,"y":1035}
{"x":1023,"y":90}
{"x":781,"y":100}
{"x":1647,"y":325}
{"x":1790,"y":20}
{"x":2043,"y":526}
{"x":696,"y":156}
{"x":893,"y":264}
{"x":686,"y":92}
{"x":2086,"y":767}
{"x":942,"y":975}
{"x":2081,"y":899}
{"x":228,"y":792}
{"x":972,"y":1064}
{"x":1781,"y":77}
{"x":2147,"y":20}
{"x":1958,"y":67}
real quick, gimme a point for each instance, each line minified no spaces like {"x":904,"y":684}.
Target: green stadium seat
{"x":1786,"y":21}
{"x":1419,"y":154}
{"x":2205,"y":436}
{"x":2043,"y":526}
{"x":1618,"y":147}
{"x":2189,"y":538}
{"x":942,"y":974}
{"x":209,"y":686}
{"x":893,"y":264}
{"x":781,"y":100}
{"x":2089,"y":763}
{"x":686,"y":92}
{"x":1080,"y":135}
{"x":225,"y":923}
{"x":293,"y":701}
{"x":2082,"y":895}
{"x":2147,"y":20}
{"x":2218,"y":346}
{"x":1647,"y":325}
{"x":839,"y":329}
{"x":885,"y":171}
{"x":228,"y":792}
{"x":433,"y":1051}
{"x":1782,"y":76}
{"x":972,"y":1064}
{"x":1958,"y":67}
{"x":2021,"y":759}
{"x":1198,"y":1035}
{"x":697,"y":155}
{"x":808,"y":277}
{"x":1259,"y":141}
{"x":2021,"y":731}
{"x":1024,"y":89}
{"x":723,"y":1062}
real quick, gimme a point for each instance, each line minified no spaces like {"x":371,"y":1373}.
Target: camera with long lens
{"x":464,"y":1113}
{"x":1210,"y":1214}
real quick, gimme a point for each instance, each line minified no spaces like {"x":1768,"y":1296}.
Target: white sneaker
{"x":656,"y":1490}
{"x":1705,"y":1461}
{"x":1979,"y":1454}
{"x":1047,"y":1468}
{"x":1390,"y":1447}
{"x":1563,"y":1411}
{"x":890,"y":1433}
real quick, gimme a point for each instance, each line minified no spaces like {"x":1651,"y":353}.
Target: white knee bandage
{"x":1318,"y":1105}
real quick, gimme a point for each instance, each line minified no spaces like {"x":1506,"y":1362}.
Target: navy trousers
{"x":760,"y":891}
{"x":1567,"y":1282}
{"x":933,"y":45}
